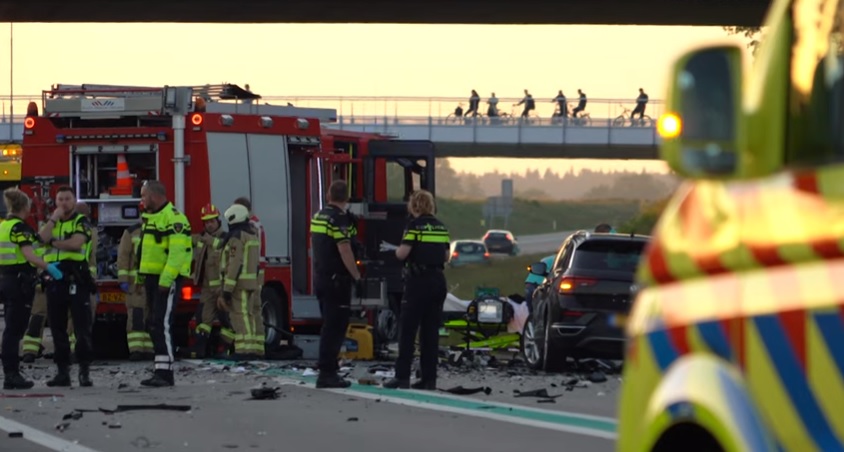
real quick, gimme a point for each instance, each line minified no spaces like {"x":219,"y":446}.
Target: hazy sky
{"x":358,"y":60}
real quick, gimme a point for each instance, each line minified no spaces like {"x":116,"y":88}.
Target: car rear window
{"x":497,"y":235}
{"x":617,"y":255}
{"x":470,"y":248}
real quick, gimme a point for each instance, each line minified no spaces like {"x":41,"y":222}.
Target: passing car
{"x":501,"y":241}
{"x":465,"y":252}
{"x":579,"y":310}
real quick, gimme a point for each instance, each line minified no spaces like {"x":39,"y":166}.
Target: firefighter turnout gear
{"x":257,"y":314}
{"x":165,"y":258}
{"x":137,"y":314}
{"x":207,"y":275}
{"x":331,"y":227}
{"x":424,"y":295}
{"x":17,"y":289}
{"x":239,"y":266}
{"x":73,"y":293}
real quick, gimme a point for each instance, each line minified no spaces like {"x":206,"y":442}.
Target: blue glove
{"x":124,"y":286}
{"x":53,"y":270}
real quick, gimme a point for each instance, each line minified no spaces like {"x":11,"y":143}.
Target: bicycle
{"x":531,"y":119}
{"x":584,"y":120}
{"x":644,"y":121}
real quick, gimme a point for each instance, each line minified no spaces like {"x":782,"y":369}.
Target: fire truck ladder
{"x":91,"y":101}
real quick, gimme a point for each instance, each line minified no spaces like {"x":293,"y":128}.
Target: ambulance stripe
{"x":744,"y":415}
{"x":806,"y":181}
{"x":767,"y":255}
{"x":794,"y":324}
{"x":832,"y":331}
{"x":715,"y":337}
{"x":678,"y":338}
{"x":828,"y":249}
{"x":658,"y":263}
{"x":663,"y":350}
{"x":794,"y":382}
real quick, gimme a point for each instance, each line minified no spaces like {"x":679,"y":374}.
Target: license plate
{"x":112,"y":297}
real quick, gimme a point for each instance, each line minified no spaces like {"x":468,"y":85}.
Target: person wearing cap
{"x":206,"y":275}
{"x":137,"y":314}
{"x":239,"y":271}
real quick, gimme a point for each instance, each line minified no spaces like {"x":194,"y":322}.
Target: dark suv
{"x":579,"y":309}
{"x":501,"y":241}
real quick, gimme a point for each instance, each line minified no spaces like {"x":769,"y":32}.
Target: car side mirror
{"x":703,"y":123}
{"x":538,"y":268}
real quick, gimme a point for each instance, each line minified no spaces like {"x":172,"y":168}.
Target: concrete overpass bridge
{"x":611,"y":12}
{"x":607,"y":132}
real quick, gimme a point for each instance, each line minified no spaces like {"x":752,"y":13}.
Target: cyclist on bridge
{"x":529,"y":104}
{"x":562,"y":108}
{"x":492,"y":111}
{"x":581,"y":104}
{"x":474,"y":101}
{"x":641,"y":101}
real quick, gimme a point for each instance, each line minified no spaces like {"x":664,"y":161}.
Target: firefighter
{"x":17,"y":281}
{"x":239,"y":267}
{"x":68,"y":234}
{"x":165,"y":258}
{"x":257,"y":315}
{"x":332,"y":232}
{"x":424,"y":250}
{"x":137,"y":336}
{"x":206,"y":274}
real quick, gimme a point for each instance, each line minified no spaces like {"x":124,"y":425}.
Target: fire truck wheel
{"x":274,"y":311}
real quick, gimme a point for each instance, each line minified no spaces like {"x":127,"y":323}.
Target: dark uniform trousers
{"x":335,"y":298}
{"x":162,"y":308}
{"x":72,"y":294}
{"x":17,"y":290}
{"x":421,"y":310}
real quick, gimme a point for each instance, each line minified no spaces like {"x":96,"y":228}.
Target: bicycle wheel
{"x":619,"y":121}
{"x":647,"y":121}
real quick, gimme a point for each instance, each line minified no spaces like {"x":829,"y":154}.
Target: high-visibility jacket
{"x":206,"y":258}
{"x":127,"y":252}
{"x":239,"y":260}
{"x":65,"y":229}
{"x":11,"y":238}
{"x":165,"y":247}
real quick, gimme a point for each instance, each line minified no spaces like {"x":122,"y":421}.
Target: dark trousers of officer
{"x":64,"y":295}
{"x":421,"y":310}
{"x":162,"y":308}
{"x":17,"y":291}
{"x":335,"y":298}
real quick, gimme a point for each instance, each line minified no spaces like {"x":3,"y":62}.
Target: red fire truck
{"x":214,"y":143}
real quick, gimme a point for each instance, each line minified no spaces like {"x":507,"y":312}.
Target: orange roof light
{"x":196,"y":119}
{"x":29,"y":122}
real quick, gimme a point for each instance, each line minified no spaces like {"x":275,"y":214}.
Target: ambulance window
{"x":816,"y":102}
{"x":228,"y":168}
{"x":395,"y":182}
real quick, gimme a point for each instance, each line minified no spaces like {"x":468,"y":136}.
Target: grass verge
{"x":507,"y":274}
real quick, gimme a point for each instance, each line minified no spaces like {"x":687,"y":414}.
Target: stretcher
{"x":488,"y":322}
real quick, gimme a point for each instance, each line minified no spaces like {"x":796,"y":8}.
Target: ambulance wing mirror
{"x":702,"y":122}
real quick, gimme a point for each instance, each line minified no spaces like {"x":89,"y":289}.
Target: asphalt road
{"x":542,"y":243}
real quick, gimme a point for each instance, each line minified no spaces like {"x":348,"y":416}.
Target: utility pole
{"x":11,"y":80}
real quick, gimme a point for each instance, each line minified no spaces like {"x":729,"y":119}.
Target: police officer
{"x":239,"y":266}
{"x":332,"y":232}
{"x":68,"y":234}
{"x":18,"y":264}
{"x":206,"y":275}
{"x":165,"y":255}
{"x":137,"y":336}
{"x":424,"y":250}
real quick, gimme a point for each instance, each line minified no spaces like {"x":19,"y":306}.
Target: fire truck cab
{"x":214,"y":143}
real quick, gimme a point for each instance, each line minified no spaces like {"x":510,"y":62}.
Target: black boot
{"x":332,"y":381}
{"x":62,"y":378}
{"x":136,"y":356}
{"x":84,"y":375}
{"x":15,"y":380}
{"x":159,"y":379}
{"x":395,"y":383}
{"x":430,"y":385}
{"x":28,"y":358}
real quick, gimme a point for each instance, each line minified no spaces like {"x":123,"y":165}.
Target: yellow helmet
{"x":237,"y":214}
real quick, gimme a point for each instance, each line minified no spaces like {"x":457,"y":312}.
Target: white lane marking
{"x":41,"y":438}
{"x":467,"y":412}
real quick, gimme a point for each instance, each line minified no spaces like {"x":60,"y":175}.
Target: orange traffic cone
{"x":124,"y":180}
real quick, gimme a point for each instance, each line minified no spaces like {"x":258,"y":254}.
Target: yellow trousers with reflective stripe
{"x":242,"y":317}
{"x":137,"y":315}
{"x":208,"y":298}
{"x":37,"y":320}
{"x":257,"y":318}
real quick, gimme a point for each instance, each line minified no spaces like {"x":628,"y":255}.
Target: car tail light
{"x":486,"y":255}
{"x":454,"y":255}
{"x":510,"y":238}
{"x":571,"y":283}
{"x":570,"y":314}
{"x":187,"y":293}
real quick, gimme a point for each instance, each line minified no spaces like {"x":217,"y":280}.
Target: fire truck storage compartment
{"x":94,"y":175}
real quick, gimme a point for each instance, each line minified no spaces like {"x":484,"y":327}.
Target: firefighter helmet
{"x":209,"y":212}
{"x":237,"y":214}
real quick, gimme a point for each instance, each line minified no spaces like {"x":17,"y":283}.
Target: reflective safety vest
{"x":10,"y":251}
{"x":165,"y":247}
{"x":63,"y":230}
{"x":239,"y":262}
